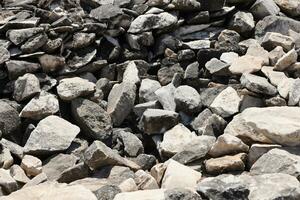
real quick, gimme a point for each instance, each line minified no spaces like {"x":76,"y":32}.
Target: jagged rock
{"x":147,"y":89}
{"x":166,"y":74}
{"x":290,"y":7}
{"x":145,"y":181}
{"x":294,"y":93}
{"x":121,"y":101}
{"x":41,"y":106}
{"x":131,"y":73}
{"x":272,"y":40}
{"x":139,"y":109}
{"x":4,"y":55}
{"x":246,"y":64}
{"x":266,"y":125}
{"x":263,"y":8}
{"x":26,"y":87}
{"x":165,"y":96}
{"x":31,"y":165}
{"x":18,"y":68}
{"x":259,"y":52}
{"x":71,"y":88}
{"x":133,"y":146}
{"x":18,"y":174}
{"x":243,"y":23}
{"x":284,"y":87}
{"x":20,"y":35}
{"x":107,"y":192}
{"x":157,"y":121}
{"x":52,"y":134}
{"x":9,"y":119}
{"x":183,"y":5}
{"x":229,"y":57}
{"x":275,"y":77}
{"x":187,"y":99}
{"x":6,"y":159}
{"x":81,"y":40}
{"x":286,"y":61}
{"x":93,"y":120}
{"x":34,"y":43}
{"x":275,"y":55}
{"x":217,"y":67}
{"x":51,"y":63}
{"x":7,"y":183}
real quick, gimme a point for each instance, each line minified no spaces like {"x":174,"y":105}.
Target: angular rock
{"x":246,"y":64}
{"x":31,"y":165}
{"x":229,"y":57}
{"x":272,"y":40}
{"x":4,"y":55}
{"x":275,"y":77}
{"x":81,"y":40}
{"x":7,"y":183}
{"x":52,"y":134}
{"x":275,"y":55}
{"x":71,"y":88}
{"x":131,"y":74}
{"x":93,"y":120}
{"x":294,"y":93}
{"x":217,"y":67}
{"x":166,"y":74}
{"x":147,"y":89}
{"x":9,"y":120}
{"x":165,"y":96}
{"x":18,"y":68}
{"x":187,"y":99}
{"x":26,"y":87}
{"x":18,"y":174}
{"x":259,"y":52}
{"x":290,"y":7}
{"x":51,"y":63}
{"x":145,"y":181}
{"x":20,"y":35}
{"x":243,"y":23}
{"x":133,"y":146}
{"x":34,"y":43}
{"x":263,"y":8}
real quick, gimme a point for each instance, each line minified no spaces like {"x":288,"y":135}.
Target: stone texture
{"x":246,"y":64}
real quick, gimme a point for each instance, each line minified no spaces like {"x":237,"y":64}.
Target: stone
{"x":263,"y":8}
{"x":208,"y":123}
{"x":99,"y":155}
{"x":258,"y":84}
{"x":276,"y":160}
{"x":18,"y":174}
{"x":106,"y":12}
{"x":182,"y":5}
{"x":259,"y":52}
{"x":80,"y":60}
{"x":147,"y":90}
{"x":187,"y":99}
{"x":31,"y":165}
{"x":71,"y":88}
{"x":143,"y":22}
{"x":18,"y":68}
{"x":275,"y":101}
{"x":175,"y":139}
{"x":246,"y":64}
{"x":165,"y":96}
{"x":226,"y":164}
{"x":157,"y":121}
{"x":131,"y":73}
{"x":52,"y":190}
{"x":166,"y":74}
{"x":9,"y":120}
{"x":34,"y":43}
{"x":266,"y":125}
{"x":41,"y":106}
{"x":81,"y":40}
{"x":14,"y":148}
{"x":52,"y":134}
{"x":121,"y":101}
{"x":133,"y":146}
{"x":176,"y":171}
{"x":139,"y":109}
{"x":217,"y":67}
{"x":290,"y":7}
{"x":273,"y":39}
{"x":6,"y":159}
{"x":228,"y":144}
{"x":145,"y":161}
{"x":107,"y":192}
{"x":145,"y":181}
{"x":229,"y":57}
{"x":294,"y":93}
{"x":93,"y":120}
{"x":243,"y":23}
{"x":51,"y":63}
{"x":41,"y":178}
{"x":180,"y":193}
{"x":20,"y":35}
{"x":226,"y":103}
{"x":214,"y":5}
{"x":26,"y":86}
{"x":275,"y":77}
{"x":7,"y":183}
{"x":275,"y":55}
{"x":157,"y":194}
{"x":4,"y":55}
{"x":284,"y":87}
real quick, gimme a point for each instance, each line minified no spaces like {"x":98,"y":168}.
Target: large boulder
{"x":277,"y":125}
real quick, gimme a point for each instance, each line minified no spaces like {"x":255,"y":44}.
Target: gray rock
{"x":258,"y":84}
{"x":187,"y":99}
{"x":259,"y":52}
{"x":18,"y":174}
{"x":6,"y":159}
{"x":106,"y":12}
{"x":7,"y":183}
{"x":275,"y":55}
{"x":263,"y":8}
{"x":147,"y":90}
{"x":51,"y":63}
{"x":107,"y":192}
{"x":20,"y":35}
{"x":166,"y":74}
{"x":156,"y":121}
{"x":4,"y":55}
{"x":41,"y":106}
{"x":246,"y":64}
{"x":229,"y":57}
{"x":275,"y":101}
{"x":143,"y":22}
{"x":52,"y":134}
{"x":165,"y":96}
{"x":243,"y":23}
{"x":286,"y":60}
{"x":183,"y":194}
{"x":34,"y":43}
{"x":209,"y":94}
{"x":275,"y":77}
{"x":121,"y":101}
{"x":81,"y":40}
{"x":214,"y":5}
{"x":272,"y":40}
{"x":289,"y":7}
{"x":31,"y":165}
{"x":71,"y":88}
{"x":93,"y":120}
{"x":99,"y":155}
{"x":183,"y":5}
{"x":26,"y":87}
{"x":294,"y":93}
{"x":131,"y":73}
{"x":139,"y":109}
{"x":18,"y":68}
{"x":76,"y":172}
{"x":217,"y":67}
{"x":133,"y":146}
{"x":9,"y":120}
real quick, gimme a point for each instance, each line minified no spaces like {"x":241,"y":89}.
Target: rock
{"x":157,"y":121}
{"x":81,"y":60}
{"x":51,"y":63}
{"x":106,"y":12}
{"x":187,"y":99}
{"x":71,"y":88}
{"x":50,"y":190}
{"x":257,"y":150}
{"x":145,"y":161}
{"x":41,"y":106}
{"x":175,"y":139}
{"x":93,"y":120}
{"x":26,"y":87}
{"x":243,"y":23}
{"x":18,"y":68}
{"x":139,"y":109}
{"x":6,"y":159}
{"x":258,"y":84}
{"x":263,"y":8}
{"x":290,"y":7}
{"x":257,"y":124}
{"x":20,"y":35}
{"x":41,"y":178}
{"x":217,"y":67}
{"x":176,"y":171}
{"x":31,"y":165}
{"x":284,"y":161}
{"x":133,"y":146}
{"x":34,"y":43}
{"x":294,"y":93}
{"x":272,"y":40}
{"x":14,"y":148}
{"x":131,"y":73}
{"x":9,"y":120}
{"x":284,"y":87}
{"x":275,"y":55}
{"x":259,"y":52}
{"x":143,"y":22}
{"x":52,"y":134}
{"x":226,"y":164}
{"x":145,"y":181}
{"x":99,"y":155}
{"x":165,"y":96}
{"x":189,"y":5}
{"x":121,"y":101}
{"x":207,"y":123}
{"x":227,"y":144}
{"x":157,"y":194}
{"x":147,"y":89}
{"x":166,"y":74}
{"x":275,"y":77}
{"x":7,"y":183}
{"x":226,"y":103}
{"x":184,"y":194}
{"x":107,"y":192}
{"x":229,"y":57}
{"x":246,"y":64}
{"x":275,"y":101}
{"x":4,"y":55}
{"x":81,"y":40}
{"x":18,"y":174}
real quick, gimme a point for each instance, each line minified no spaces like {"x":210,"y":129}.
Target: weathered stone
{"x":217,"y":67}
{"x":34,"y":43}
{"x":7,"y":183}
{"x":165,"y":96}
{"x":166,"y":74}
{"x":107,"y":192}
{"x":275,"y":77}
{"x":133,"y":146}
{"x":9,"y":120}
{"x":4,"y":55}
{"x":145,"y":181}
{"x":243,"y":23}
{"x":51,"y":63}
{"x":81,"y":40}
{"x":246,"y":64}
{"x":294,"y":93}
{"x":272,"y":40}
{"x":290,"y":7}
{"x":187,"y":99}
{"x":259,"y":52}
{"x":20,"y":35}
{"x":31,"y":165}
{"x":52,"y":134}
{"x":26,"y":87}
{"x":285,"y":86}
{"x":263,"y":8}
{"x":275,"y":55}
{"x":229,"y":57}
{"x":6,"y":159}
{"x":18,"y":68}
{"x":147,"y":89}
{"x":18,"y":174}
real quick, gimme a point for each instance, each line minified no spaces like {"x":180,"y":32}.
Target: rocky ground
{"x":149,"y":99}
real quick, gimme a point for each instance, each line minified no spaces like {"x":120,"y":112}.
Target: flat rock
{"x":52,"y":134}
{"x":93,"y":120}
{"x":71,"y":88}
{"x":267,"y":125}
{"x":20,"y":35}
{"x":246,"y":64}
{"x":26,"y":87}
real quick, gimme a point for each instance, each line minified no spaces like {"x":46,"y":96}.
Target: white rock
{"x":287,"y":60}
{"x":31,"y":165}
{"x":275,"y":77}
{"x":246,"y":64}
